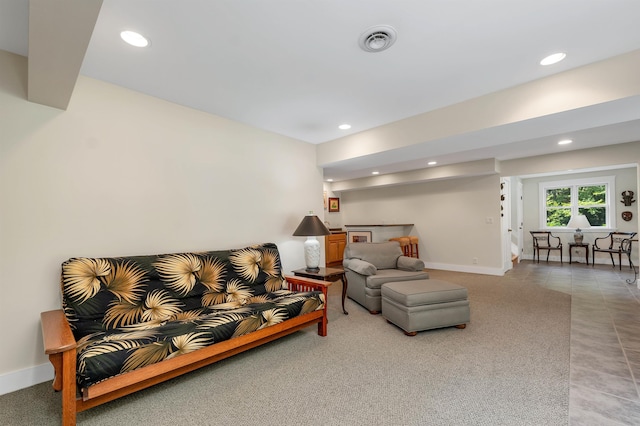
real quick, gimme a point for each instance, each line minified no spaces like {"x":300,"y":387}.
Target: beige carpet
{"x":510,"y":366}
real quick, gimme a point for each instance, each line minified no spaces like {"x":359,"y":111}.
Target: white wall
{"x":450,"y":218}
{"x":625,"y":180}
{"x":120,"y":173}
{"x":334,"y":219}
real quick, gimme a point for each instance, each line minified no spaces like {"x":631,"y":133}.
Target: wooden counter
{"x":334,"y":245}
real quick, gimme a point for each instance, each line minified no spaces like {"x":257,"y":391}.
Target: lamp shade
{"x":579,"y":222}
{"x":311,"y":226}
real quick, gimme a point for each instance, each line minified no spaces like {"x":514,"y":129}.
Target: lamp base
{"x":313,"y":270}
{"x":578,"y":237}
{"x":312,"y":254}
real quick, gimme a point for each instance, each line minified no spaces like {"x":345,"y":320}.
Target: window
{"x":591,"y":197}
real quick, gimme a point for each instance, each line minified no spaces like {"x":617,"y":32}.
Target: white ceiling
{"x":294,"y":67}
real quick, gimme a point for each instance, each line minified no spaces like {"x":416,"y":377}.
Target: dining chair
{"x":544,"y":240}
{"x":615,"y":243}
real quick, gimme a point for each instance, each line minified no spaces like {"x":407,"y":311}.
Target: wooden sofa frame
{"x":60,"y":345}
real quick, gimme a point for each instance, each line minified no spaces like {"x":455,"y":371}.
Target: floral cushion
{"x":128,"y":312}
{"x":108,"y":353}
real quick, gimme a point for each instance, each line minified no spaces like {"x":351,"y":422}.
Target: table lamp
{"x":579,"y":222}
{"x":310,"y":227}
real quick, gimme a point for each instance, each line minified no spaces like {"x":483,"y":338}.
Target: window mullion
{"x":574,"y":200}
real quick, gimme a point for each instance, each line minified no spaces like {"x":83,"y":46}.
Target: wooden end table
{"x":585,"y":246}
{"x":327,"y":274}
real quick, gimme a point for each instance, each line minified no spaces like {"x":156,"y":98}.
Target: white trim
{"x":594,"y":230}
{"x":601,"y":260}
{"x":16,"y":380}
{"x":552,"y":257}
{"x":464,"y":268}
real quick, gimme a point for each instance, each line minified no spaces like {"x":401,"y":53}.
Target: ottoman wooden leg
{"x":408,"y":333}
{"x":461,"y":326}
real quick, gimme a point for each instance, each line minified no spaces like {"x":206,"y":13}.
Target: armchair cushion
{"x":410,"y":264}
{"x":381,"y":255}
{"x":393,"y":275}
{"x":360,"y":266}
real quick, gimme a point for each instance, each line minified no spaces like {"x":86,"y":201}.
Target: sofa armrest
{"x":410,"y":264}
{"x":360,"y":266}
{"x":60,"y":344}
{"x":56,"y":332}
{"x":306,"y":284}
{"x":310,"y":284}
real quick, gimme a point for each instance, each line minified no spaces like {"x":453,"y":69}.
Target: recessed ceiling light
{"x":565,"y":142}
{"x":375,"y":173}
{"x":134,"y":38}
{"x":553,"y":59}
{"x":329,"y":180}
{"x":344,"y":126}
{"x":432,"y":163}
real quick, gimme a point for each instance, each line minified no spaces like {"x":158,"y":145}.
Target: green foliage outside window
{"x":558,"y":217}
{"x":558,"y":206}
{"x":592,"y":203}
{"x":559,"y":197}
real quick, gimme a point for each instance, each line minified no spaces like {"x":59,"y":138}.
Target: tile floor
{"x":605,"y":340}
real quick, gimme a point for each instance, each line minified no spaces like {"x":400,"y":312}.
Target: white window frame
{"x":608,"y":181}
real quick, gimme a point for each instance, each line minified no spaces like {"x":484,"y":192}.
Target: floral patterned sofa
{"x":130,"y":322}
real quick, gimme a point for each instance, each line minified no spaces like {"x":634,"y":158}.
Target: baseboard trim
{"x":11,"y":382}
{"x":465,"y":268}
{"x":579,"y":259}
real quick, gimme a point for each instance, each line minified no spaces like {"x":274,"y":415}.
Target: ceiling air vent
{"x":378,"y":38}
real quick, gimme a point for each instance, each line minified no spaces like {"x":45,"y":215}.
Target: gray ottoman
{"x":424,"y":304}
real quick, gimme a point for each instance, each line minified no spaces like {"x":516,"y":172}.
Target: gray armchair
{"x":369,"y":265}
